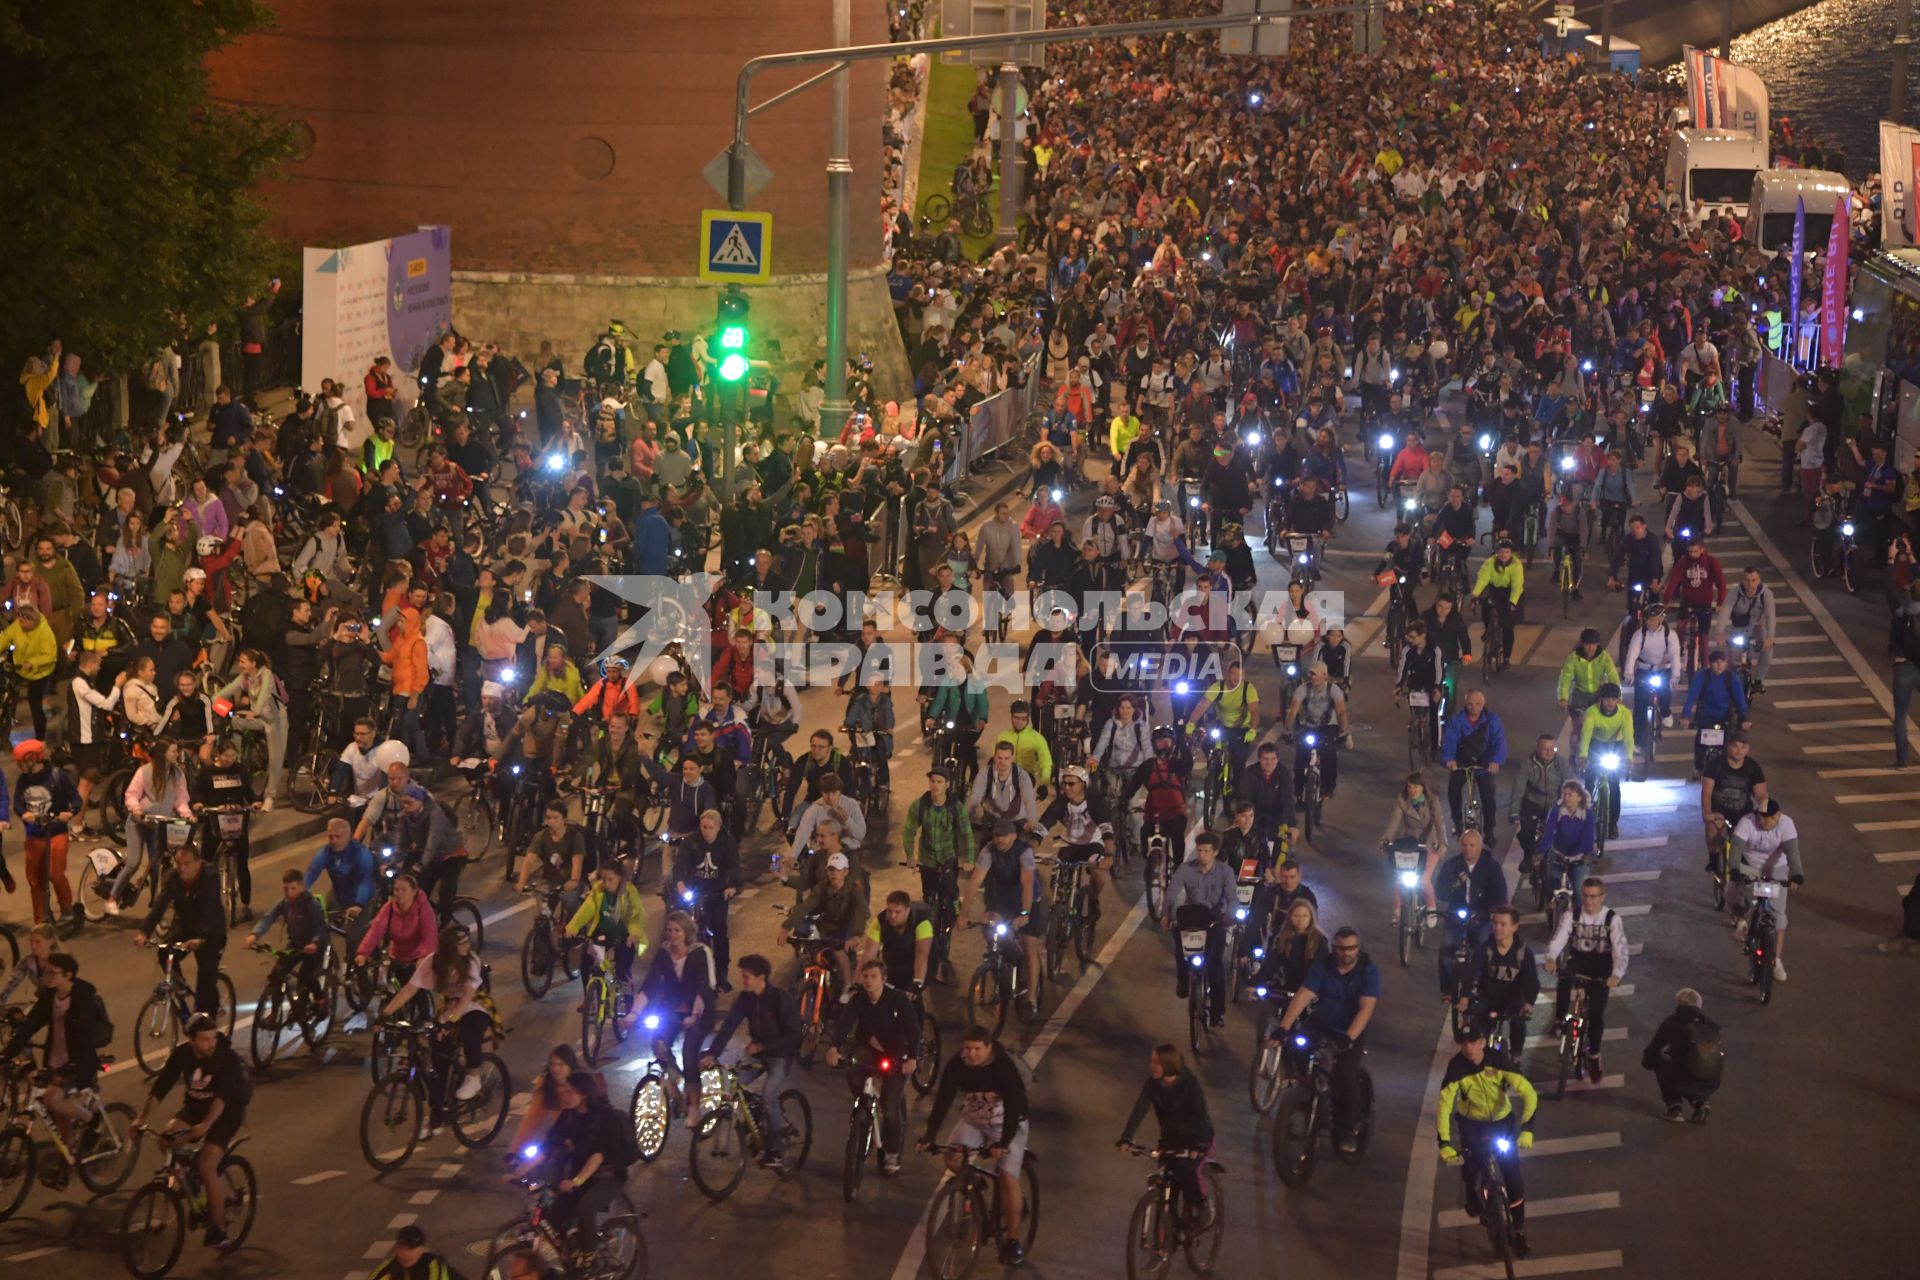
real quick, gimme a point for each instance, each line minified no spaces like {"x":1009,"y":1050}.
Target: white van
{"x":1777,"y":193}
{"x":1714,"y":165}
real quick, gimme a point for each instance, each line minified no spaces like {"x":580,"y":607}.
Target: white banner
{"x":1725,"y":95}
{"x":1899,"y":146}
{"x":388,"y":298}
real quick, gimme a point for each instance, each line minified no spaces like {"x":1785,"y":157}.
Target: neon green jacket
{"x":1512,"y":579}
{"x":1030,"y":752}
{"x":600,"y":914}
{"x":1483,"y":1092}
{"x":1587,"y":675}
{"x":1617,"y":727}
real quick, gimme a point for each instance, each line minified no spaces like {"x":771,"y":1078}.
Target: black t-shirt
{"x":1733,"y":786}
{"x":896,"y":945}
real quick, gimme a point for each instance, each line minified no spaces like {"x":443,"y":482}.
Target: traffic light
{"x":732,"y":342}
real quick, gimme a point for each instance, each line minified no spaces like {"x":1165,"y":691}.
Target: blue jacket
{"x":349,"y":873}
{"x":652,"y":543}
{"x":1458,"y":727}
{"x":1481,"y":887}
{"x":1719,"y":698}
{"x":1566,"y":836}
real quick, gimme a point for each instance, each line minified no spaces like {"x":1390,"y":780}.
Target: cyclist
{"x":1730,"y":788}
{"x":1608,"y":724}
{"x":412,"y":1260}
{"x":432,"y":847}
{"x":1715,"y":699}
{"x":46,"y":802}
{"x":1474,"y":738}
{"x":73,"y":1048}
{"x":1767,"y":845}
{"x":158,"y":789}
{"x":306,"y":922}
{"x":1343,"y":988}
{"x":224,"y":784}
{"x":1086,"y":835}
{"x":1319,"y":706}
{"x":1594,"y":943}
{"x":1567,"y":531}
{"x":454,"y":975}
{"x":1613,"y":490}
{"x":1236,"y":704}
{"x":937,"y":836}
{"x":1585,"y":670}
{"x":706,"y":870}
{"x":1206,"y":882}
{"x":900,"y":936}
{"x":838,"y":906}
{"x":1447,"y":632}
{"x":213,"y":1112}
{"x":1638,"y":562}
{"x":588,"y":1138}
{"x":192,"y":894}
{"x":1699,"y":586}
{"x":772,"y":1017}
{"x":1503,"y":981}
{"x":1536,"y":784}
{"x":1405,"y":557}
{"x":613,"y":915}
{"x":879,"y":1024}
{"x":1472,"y":883}
{"x":1270,"y":790}
{"x":993,"y":1116}
{"x":1748,"y":610}
{"x":1243,"y":841}
{"x":405,"y":925}
{"x":678,"y":989}
{"x":558,"y":851}
{"x":1179,"y":1107}
{"x":1689,"y":513}
{"x":1030,"y":750}
{"x":1654,"y":651}
{"x":1568,"y":831}
{"x":1454,"y":528}
{"x":1007,"y":883}
{"x":1422,"y":669}
{"x":1417,"y":818}
{"x":1480,"y":1086}
{"x":1503,"y":580}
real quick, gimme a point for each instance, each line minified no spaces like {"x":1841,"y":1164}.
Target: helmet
{"x":1164,"y":731}
{"x":29,"y":747}
{"x":1073,"y":773}
{"x":1610,"y":690}
{"x":1654,"y":609}
{"x":1589,"y":636}
{"x":1105,"y":502}
{"x":207,"y":546}
{"x":1506,"y":544}
{"x":1471,"y":1028}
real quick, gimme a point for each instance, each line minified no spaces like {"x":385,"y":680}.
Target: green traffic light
{"x":733,"y":337}
{"x":734,"y":366}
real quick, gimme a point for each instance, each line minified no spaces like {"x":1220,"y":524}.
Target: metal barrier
{"x":993,"y":424}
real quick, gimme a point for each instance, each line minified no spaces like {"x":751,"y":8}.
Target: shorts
{"x":221,"y":1132}
{"x":1779,"y":899}
{"x":1015,"y":1156}
{"x":89,"y":759}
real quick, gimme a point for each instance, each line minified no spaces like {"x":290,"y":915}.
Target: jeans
{"x":1216,"y":970}
{"x":1346,"y":1088}
{"x":441,"y":883}
{"x":1906,"y":680}
{"x":139,"y":839}
{"x":274,"y":727}
{"x":779,"y":1073}
{"x":206,"y":978}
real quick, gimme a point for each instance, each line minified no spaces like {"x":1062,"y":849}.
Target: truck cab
{"x":1778,"y":193}
{"x":1714,"y":166}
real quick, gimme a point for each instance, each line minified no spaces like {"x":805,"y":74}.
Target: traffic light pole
{"x":840,"y":168}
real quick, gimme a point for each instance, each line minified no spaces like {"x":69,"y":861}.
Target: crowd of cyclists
{"x":1289,"y":287}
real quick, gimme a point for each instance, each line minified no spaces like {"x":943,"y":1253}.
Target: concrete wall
{"x":1660,"y":27}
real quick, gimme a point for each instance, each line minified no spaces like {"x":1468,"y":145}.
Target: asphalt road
{"x":1805,"y":1164}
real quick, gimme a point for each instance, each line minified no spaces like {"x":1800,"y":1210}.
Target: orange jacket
{"x":407,"y":656}
{"x":610,"y":698}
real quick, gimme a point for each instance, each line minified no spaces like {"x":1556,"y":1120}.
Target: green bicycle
{"x":734,"y":1125}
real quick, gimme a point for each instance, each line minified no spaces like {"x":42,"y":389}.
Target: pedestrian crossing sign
{"x":735,"y":247}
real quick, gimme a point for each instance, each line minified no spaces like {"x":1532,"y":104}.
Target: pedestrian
{"x":1903,"y":645}
{"x":1686,"y":1058}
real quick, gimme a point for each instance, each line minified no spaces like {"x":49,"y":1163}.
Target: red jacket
{"x":1696,"y":582}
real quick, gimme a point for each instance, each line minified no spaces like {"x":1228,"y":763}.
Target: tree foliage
{"x":129,"y":193}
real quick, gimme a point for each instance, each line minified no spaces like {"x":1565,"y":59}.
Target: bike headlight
{"x":1240,"y":913}
{"x":1253,"y":439}
{"x":530,"y":1153}
{"x":652,"y":1021}
{"x":1057,"y":495}
{"x":1260,"y":993}
{"x":1196,"y":961}
{"x":1846,"y":529}
{"x":1486,"y":443}
{"x":1259,"y":953}
{"x":1409,"y":878}
{"x":1566,"y":464}
{"x":1639,"y":586}
{"x":1409,"y":505}
{"x":1462,"y":913}
{"x":1502,"y":1145}
{"x":1686,"y":533}
{"x":1739,"y":642}
{"x":1586,"y":366}
{"x":1216,"y":735}
{"x":1183,"y":688}
{"x":516,"y":768}
{"x":1301,"y":1041}
{"x":1000,"y":930}
{"x":687,"y":896}
{"x":387,"y":852}
{"x":556,"y":461}
{"x":1302,"y":557}
{"x":1654,"y":681}
{"x":1194,"y":501}
{"x":1610,"y":761}
{"x":1393,"y":375}
{"x":1313,"y":740}
{"x":1386,"y":442}
{"x":1293,"y":669}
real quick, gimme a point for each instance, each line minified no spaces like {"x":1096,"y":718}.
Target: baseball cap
{"x":410,"y":1237}
{"x":940,"y":771}
{"x":1317,"y":669}
{"x":838,"y":862}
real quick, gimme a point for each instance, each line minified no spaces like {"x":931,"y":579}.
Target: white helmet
{"x":208,"y":545}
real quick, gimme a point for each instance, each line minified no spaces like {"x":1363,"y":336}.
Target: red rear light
{"x":886,"y":1064}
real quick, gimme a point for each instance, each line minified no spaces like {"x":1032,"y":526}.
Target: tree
{"x":129,"y":193}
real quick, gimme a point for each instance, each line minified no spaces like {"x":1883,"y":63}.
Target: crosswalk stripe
{"x":1575,"y":1145}
{"x":1889,"y":798}
{"x":1902,"y":855}
{"x":1556,"y":1207}
{"x":1803,"y":726}
{"x":1640,"y":842}
{"x":1627,"y":877}
{"x":1799,"y":639}
{"x":1607,"y":1260}
{"x":1799,"y":681}
{"x":1907,"y":824}
{"x":1620,"y":992}
{"x":1841,"y":748}
{"x":1541,"y":1041}
{"x":1802,"y":704}
{"x":1525,"y":637}
{"x":1797,"y":659}
{"x":1859,"y":773}
{"x":325,"y":1175}
{"x":1588,"y":1086}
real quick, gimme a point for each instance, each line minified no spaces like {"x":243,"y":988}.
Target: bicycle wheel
{"x":155,"y":1033}
{"x":476,"y":824}
{"x":17,"y":1162}
{"x":243,"y":1198}
{"x":467,"y":912}
{"x":113,"y":808}
{"x":1083,"y":938}
{"x":976,"y":219}
{"x":799,"y":1116}
{"x":391,"y":1120}
{"x":1406,"y":929}
{"x":1567,"y":1066}
{"x":91,"y":892}
{"x":1155,"y":886}
{"x":1499,"y":1223}
{"x":1850,"y":570}
{"x":651,"y":1115}
{"x":1150,"y":1239}
{"x":1263,"y":1076}
{"x":1197,"y":1010}
{"x":308,"y":784}
{"x":987,"y":998}
{"x":1059,"y":942}
{"x":153,"y":1230}
{"x":926,"y":1062}
{"x":937,"y":207}
{"x":413,"y":428}
{"x":717,"y":1157}
{"x":1203,"y":1242}
{"x":620,"y":1252}
{"x":1030,"y":1196}
{"x":536,"y":958}
{"x":1763,"y":965}
{"x":859,"y":1146}
{"x":955,"y":1230}
{"x":593,"y":1031}
{"x":479,"y":1118}
{"x":1342,"y":507}
{"x":1310,"y":805}
{"x":1293,"y":1135}
{"x":272,"y":1019}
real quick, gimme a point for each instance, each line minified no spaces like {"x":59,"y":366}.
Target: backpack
{"x":102,"y":1024}
{"x":158,"y":375}
{"x":600,"y":361}
{"x":1701,"y":1053}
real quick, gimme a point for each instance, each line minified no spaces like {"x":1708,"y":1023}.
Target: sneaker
{"x":1759,"y":686}
{"x":469,"y":1087}
{"x":112,"y":906}
{"x":1613,"y":831}
{"x":76,"y":920}
{"x":1779,"y":969}
{"x":246,"y":915}
{"x":1666,"y":722}
{"x":1577,"y":596}
{"x":723,"y":986}
{"x":1521,"y":1249}
{"x":266,"y":804}
{"x":215,"y":1237}
{"x":1701,"y":1110}
{"x":773,"y":1163}
{"x":426,"y":1132}
{"x":1674,"y":1115}
{"x":1740,"y":930}
{"x":1011,"y":1254}
{"x":1594,"y":1069}
{"x":890,"y":1164}
{"x":1217,"y":1021}
{"x":1348,"y":1144}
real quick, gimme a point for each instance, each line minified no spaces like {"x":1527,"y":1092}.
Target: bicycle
{"x":1647,"y":709}
{"x":1717,"y":497}
{"x":1496,"y":635}
{"x":1000,"y":980}
{"x":230,"y":827}
{"x":1159,"y":871}
{"x":1268,"y":1070}
{"x":967,"y":1212}
{"x":288,"y":1012}
{"x":619,"y":1247}
{"x":1575,"y":1052}
{"x":1421,"y":746}
{"x":1835,"y":554}
{"x":546,"y":948}
{"x":1191,"y":936}
{"x":1409,"y":857}
{"x":154,"y":1227}
{"x":1563,"y":574}
{"x":1304,"y":1112}
{"x":103,"y":1151}
{"x":102,"y":866}
{"x":604,"y":1003}
{"x":395,"y":1118}
{"x":735,"y":1126}
{"x":863,"y":784}
{"x":943,"y":905}
{"x":161,"y":1023}
{"x":478,"y":816}
{"x":1741,"y":643}
{"x":1312,"y":791}
{"x":863,"y":1127}
{"x":817,"y":990}
{"x":1762,"y":932}
{"x":1488,"y":1190}
{"x":1560,"y":901}
{"x":1605,"y":762}
{"x":1160,"y":1225}
{"x":1400,"y":613}
{"x":1472,"y":816}
{"x":1216,"y":778}
{"x":1719,"y":849}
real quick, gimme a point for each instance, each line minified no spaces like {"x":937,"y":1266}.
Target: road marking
{"x":31,"y":1254}
{"x":1587,"y":1086}
{"x":402,"y":1220}
{"x":1540,"y":1040}
{"x":1802,"y":704}
{"x":1803,"y":725}
{"x":1637,"y":909}
{"x":1627,"y":877}
{"x":1798,"y":681}
{"x":1638,"y":842}
{"x":1620,"y":992}
{"x":1575,"y":1145}
{"x":451,"y":1169}
{"x":1801,"y":659}
{"x":1889,"y":798}
{"x":428,"y":1197}
{"x":1416,"y":1214}
{"x":325,"y":1175}
{"x":1629,"y":811}
{"x":1860,"y":773}
{"x":1553,"y":1208}
{"x":1563,"y":1265}
{"x":1904,"y":855}
{"x":915,"y":1252}
{"x":1841,"y":748}
{"x":1906,"y":825}
{"x":525,"y":904}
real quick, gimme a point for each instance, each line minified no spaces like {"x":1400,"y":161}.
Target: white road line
{"x":1890,"y":797}
{"x":1552,"y":1208}
{"x":428,"y":1197}
{"x":1638,"y":842}
{"x":1587,"y":1086}
{"x":1609,"y":1260}
{"x":1905,"y":825}
{"x":1630,"y":811}
{"x":314,"y":1179}
{"x":1797,"y":681}
{"x":1537,"y":1042}
{"x":1575,"y":1145}
{"x":1416,"y":1213}
{"x":1637,"y":909}
{"x":1802,"y":726}
{"x":1860,"y":773}
{"x":31,"y":1254}
{"x":915,"y":1252}
{"x":450,"y":1169}
{"x":1627,"y":877}
{"x":1620,"y":992}
{"x":402,"y":1220}
{"x":1841,"y":748}
{"x":1803,"y":704}
{"x":1904,"y":855}
{"x":1801,"y":659}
